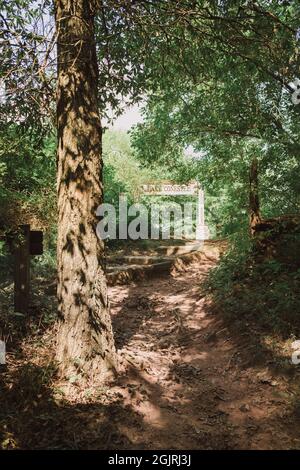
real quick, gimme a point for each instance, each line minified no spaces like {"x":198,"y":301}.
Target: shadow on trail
{"x":31,"y":418}
{"x":186,"y":390}
{"x":235,"y":400}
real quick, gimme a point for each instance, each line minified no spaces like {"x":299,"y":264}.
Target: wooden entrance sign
{"x":169,"y":188}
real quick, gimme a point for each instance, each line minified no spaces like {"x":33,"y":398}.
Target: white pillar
{"x":202,"y":231}
{"x":2,"y":352}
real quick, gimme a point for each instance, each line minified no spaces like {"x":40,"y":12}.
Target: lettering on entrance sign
{"x":170,"y":189}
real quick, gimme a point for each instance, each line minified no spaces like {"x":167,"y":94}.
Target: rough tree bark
{"x":85,"y":339}
{"x":254,"y":206}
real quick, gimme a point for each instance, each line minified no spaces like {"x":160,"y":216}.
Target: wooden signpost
{"x":35,"y":242}
{"x":27,"y":243}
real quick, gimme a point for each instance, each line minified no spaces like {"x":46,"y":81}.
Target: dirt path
{"x":188,"y":380}
{"x":184,"y":377}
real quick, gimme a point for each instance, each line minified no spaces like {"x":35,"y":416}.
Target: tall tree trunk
{"x":85,"y":338}
{"x":254,"y":207}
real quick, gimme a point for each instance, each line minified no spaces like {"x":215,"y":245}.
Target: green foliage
{"x":234,"y":111}
{"x":216,"y":79}
{"x":28,"y":176}
{"x":122,"y":170}
{"x":262,"y":290}
{"x":26,"y":81}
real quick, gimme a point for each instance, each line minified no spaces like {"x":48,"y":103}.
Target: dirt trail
{"x":183,"y":374}
{"x":188,"y":380}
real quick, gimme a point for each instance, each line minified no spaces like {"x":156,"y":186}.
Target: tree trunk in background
{"x":254,"y":208}
{"x":85,"y":338}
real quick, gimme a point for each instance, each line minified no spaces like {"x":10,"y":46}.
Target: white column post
{"x":200,"y":235}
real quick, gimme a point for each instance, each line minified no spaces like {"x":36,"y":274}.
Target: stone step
{"x":139,"y":259}
{"x":126,"y":273}
{"x":180,"y":250}
{"x":166,"y":253}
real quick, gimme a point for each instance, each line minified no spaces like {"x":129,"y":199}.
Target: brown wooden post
{"x":254,"y":206}
{"x":22,"y":270}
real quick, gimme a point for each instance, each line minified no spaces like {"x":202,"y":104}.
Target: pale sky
{"x":129,"y":118}
{"x":132,"y":116}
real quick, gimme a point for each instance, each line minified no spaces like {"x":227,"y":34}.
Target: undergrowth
{"x":248,"y":286}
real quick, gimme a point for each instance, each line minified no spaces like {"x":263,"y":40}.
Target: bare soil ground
{"x":188,"y":380}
